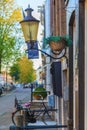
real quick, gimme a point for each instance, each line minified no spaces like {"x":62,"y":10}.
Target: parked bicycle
{"x":30,"y":115}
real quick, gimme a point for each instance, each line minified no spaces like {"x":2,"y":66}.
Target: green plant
{"x":40,"y":92}
{"x":64,"y":39}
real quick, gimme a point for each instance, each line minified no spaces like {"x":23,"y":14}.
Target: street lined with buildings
{"x":64,"y":59}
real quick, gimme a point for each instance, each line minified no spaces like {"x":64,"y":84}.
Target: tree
{"x":9,"y":41}
{"x":23,"y":71}
{"x":14,"y":71}
{"x":27,"y":73}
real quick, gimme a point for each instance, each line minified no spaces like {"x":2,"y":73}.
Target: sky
{"x":34,"y":5}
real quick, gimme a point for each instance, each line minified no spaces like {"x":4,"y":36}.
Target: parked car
{"x":27,"y":85}
{"x":19,"y":85}
{"x":1,"y":89}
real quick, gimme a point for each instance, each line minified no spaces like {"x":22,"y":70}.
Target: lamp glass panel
{"x":30,"y":30}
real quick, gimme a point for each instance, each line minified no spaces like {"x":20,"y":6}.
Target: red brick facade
{"x":58,"y":17}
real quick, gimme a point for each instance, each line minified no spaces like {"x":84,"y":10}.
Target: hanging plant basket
{"x":58,"y":43}
{"x":57,"y":46}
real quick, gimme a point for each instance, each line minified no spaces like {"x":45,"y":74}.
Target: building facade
{"x":76,"y":28}
{"x":69,"y":17}
{"x":55,"y":24}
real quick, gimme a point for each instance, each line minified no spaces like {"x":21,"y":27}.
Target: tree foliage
{"x":14,"y":71}
{"x":23,"y":71}
{"x":26,"y":70}
{"x":9,"y":38}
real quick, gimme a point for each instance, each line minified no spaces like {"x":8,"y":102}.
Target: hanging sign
{"x":33,"y":50}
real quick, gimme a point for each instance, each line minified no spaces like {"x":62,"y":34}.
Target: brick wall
{"x":58,"y":17}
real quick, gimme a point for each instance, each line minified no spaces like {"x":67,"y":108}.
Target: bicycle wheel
{"x":14,"y":114}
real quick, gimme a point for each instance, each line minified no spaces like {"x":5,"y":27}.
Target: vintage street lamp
{"x":30,"y":26}
{"x":30,"y":29}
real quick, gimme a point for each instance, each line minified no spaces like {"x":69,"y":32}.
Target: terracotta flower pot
{"x":37,"y":97}
{"x":57,"y":46}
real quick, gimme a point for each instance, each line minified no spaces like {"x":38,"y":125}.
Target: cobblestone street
{"x":5,"y":121}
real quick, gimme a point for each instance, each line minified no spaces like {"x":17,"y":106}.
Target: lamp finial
{"x":29,"y":6}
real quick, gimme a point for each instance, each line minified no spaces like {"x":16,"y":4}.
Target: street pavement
{"x":5,"y":119}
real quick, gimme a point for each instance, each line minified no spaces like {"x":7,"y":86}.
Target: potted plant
{"x":40,"y":93}
{"x":58,"y":43}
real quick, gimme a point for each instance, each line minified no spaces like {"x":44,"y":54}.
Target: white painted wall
{"x":47,"y":18}
{"x":47,"y":34}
